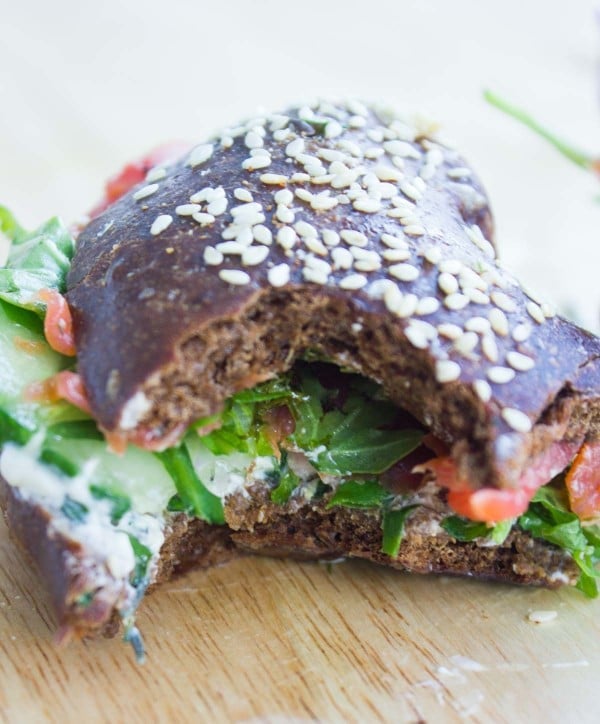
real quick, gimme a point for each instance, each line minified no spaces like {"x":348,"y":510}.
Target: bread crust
{"x":154,"y":317}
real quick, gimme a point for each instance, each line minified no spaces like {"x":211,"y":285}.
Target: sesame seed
{"x":500,"y":375}
{"x":450,"y":331}
{"x":352,"y":148}
{"x":466,"y":343}
{"x":230,"y":247}
{"x":226,"y":141}
{"x":516,"y":419}
{"x":333,"y":129}
{"x":408,"y":306}
{"x":236,"y":277}
{"x":482,"y":390}
{"x":410,"y":190}
{"x":330,"y":237}
{"x":396,"y":254}
{"x":404,"y":272}
{"x":535,"y":312}
{"x":456,"y":301}
{"x":416,"y":337}
{"x":521,"y":332}
{"x":353,"y":281}
{"x":368,"y":264}
{"x":316,"y":246}
{"x":285,"y":214}
{"x":520,"y":362}
{"x":262,"y":234}
{"x":242,"y":195}
{"x":253,"y":255}
{"x":316,"y":276}
{"x":446,"y":371}
{"x":548,"y":310}
{"x":145,"y":191}
{"x":503,"y":301}
{"x":542,"y":616}
{"x":498,"y":322}
{"x":342,"y":258}
{"x":159,"y":224}
{"x":378,"y":288}
{"x":323,"y":203}
{"x":450,"y":266}
{"x":284,"y":196}
{"x":294,"y":148}
{"x":203,"y":219}
{"x":459,"y":172}
{"x":244,"y":236}
{"x":392,"y":296}
{"x":253,"y":140}
{"x":156,"y":174}
{"x":200,"y":154}
{"x":259,"y":152}
{"x":394,"y":242}
{"x":187,"y":209}
{"x":212,"y":256}
{"x":375,"y":135}
{"x":286,"y":237}
{"x":299,"y":178}
{"x":476,"y":296}
{"x":354,"y":238}
{"x":481,"y":325}
{"x":388,"y":173}
{"x":304,"y":195}
{"x":330,"y":155}
{"x":255,"y":162}
{"x":201,"y":195}
{"x":414,"y":230}
{"x":402,"y":149}
{"x":489,"y":347}
{"x":279,"y":275}
{"x":427,"y":305}
{"x":447,"y":283}
{"x":273,"y":179}
{"x":282,"y":134}
{"x":367,"y":205}
{"x":217,"y":206}
{"x":476,"y":236}
{"x":304,"y":229}
{"x":433,"y":255}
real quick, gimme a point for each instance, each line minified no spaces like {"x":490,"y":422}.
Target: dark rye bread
{"x":304,"y":531}
{"x":169,"y":322}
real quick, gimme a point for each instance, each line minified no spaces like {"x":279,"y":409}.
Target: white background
{"x":86,"y":86}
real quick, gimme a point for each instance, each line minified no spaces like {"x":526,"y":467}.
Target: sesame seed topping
{"x":187,"y":209}
{"x":476,"y":296}
{"x":521,"y":332}
{"x":446,"y":371}
{"x":236,"y":277}
{"x":447,"y":283}
{"x":255,"y":162}
{"x":274,"y":179}
{"x":367,"y":205}
{"x":427,"y":305}
{"x":342,"y":258}
{"x":217,"y":206}
{"x":450,"y":331}
{"x":156,"y":174}
{"x":230,"y":247}
{"x":306,"y":230}
{"x":482,"y":390}
{"x":456,"y":301}
{"x":243,"y":195}
{"x":253,"y":255}
{"x":498,"y":322}
{"x":416,"y":337}
{"x":316,"y":246}
{"x":481,"y":325}
{"x":333,"y":129}
{"x":500,"y":375}
{"x":284,"y":196}
{"x":489,"y":347}
{"x":459,"y":172}
{"x":203,"y":219}
{"x":414,"y":230}
{"x":330,"y":237}
{"x":262,"y":234}
{"x":212,"y":256}
{"x":388,"y":173}
{"x":285,"y":214}
{"x":520,"y":362}
{"x":304,"y":195}
{"x":392,"y":296}
{"x":396,"y":254}
{"x":535,"y":312}
{"x":279,"y":275}
{"x":286,"y":237}
{"x":353,"y":281}
{"x":200,"y":155}
{"x":253,"y":140}
{"x":516,"y":419}
{"x":433,"y":255}
{"x":548,"y":310}
{"x":317,"y":276}
{"x":450,"y":266}
{"x":466,"y":343}
{"x":408,"y":305}
{"x":354,"y":238}
{"x":145,"y":191}
{"x":404,"y":272}
{"x":503,"y":301}
{"x":323,"y":202}
{"x":299,"y":178}
{"x":394,"y":242}
{"x":160,"y":224}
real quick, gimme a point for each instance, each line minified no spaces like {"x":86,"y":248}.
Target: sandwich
{"x":295,"y":339}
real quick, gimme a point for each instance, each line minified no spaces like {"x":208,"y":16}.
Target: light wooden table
{"x":279,"y":642}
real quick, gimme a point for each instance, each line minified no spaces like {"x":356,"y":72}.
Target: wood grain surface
{"x":281,"y":642}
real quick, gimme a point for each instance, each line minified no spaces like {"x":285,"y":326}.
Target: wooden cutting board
{"x":262,"y":640}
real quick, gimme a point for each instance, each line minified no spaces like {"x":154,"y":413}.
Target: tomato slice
{"x":64,"y":385}
{"x":583,"y":481}
{"x":58,"y":323}
{"x":490,"y":505}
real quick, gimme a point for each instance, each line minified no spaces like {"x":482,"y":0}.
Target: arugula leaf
{"x":355,"y":494}
{"x":195,"y":496}
{"x":10,"y":226}
{"x":73,"y":510}
{"x":287,"y":479}
{"x":393,"y":529}
{"x":549,"y":518}
{"x":573,"y":154}
{"x":40,"y":260}
{"x":463,"y":529}
{"x":143,"y":556}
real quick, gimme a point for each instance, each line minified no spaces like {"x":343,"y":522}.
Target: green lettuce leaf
{"x":393,"y":529}
{"x":549,"y":518}
{"x":355,"y":494}
{"x":465,"y":530}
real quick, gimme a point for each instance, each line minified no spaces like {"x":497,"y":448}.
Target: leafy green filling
{"x":465,"y":530}
{"x":549,"y":518}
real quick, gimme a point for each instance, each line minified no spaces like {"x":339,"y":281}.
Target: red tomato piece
{"x":583,"y":481}
{"x":58,"y":323}
{"x":64,"y":385}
